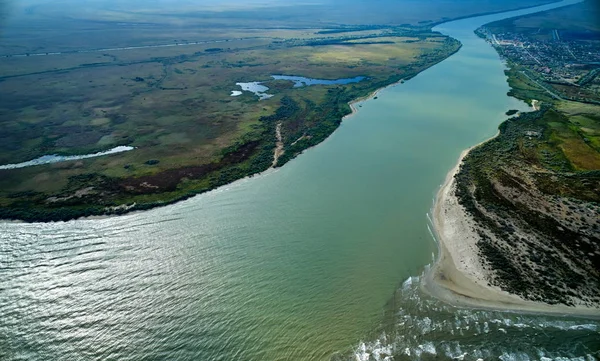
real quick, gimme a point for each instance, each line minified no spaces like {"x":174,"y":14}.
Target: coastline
{"x":457,"y":276}
{"x":133,"y":210}
{"x":352,"y":104}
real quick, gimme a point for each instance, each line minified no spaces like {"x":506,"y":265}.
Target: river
{"x":295,"y":264}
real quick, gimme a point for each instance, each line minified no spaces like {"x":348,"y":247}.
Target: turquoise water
{"x":317,"y":259}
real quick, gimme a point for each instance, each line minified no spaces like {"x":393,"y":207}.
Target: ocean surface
{"x":317,"y":260}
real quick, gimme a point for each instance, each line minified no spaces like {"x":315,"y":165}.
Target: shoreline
{"x":457,"y":276}
{"x":147,"y":207}
{"x":351,"y":104}
{"x":463,"y":284}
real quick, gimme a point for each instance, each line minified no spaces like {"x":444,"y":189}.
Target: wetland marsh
{"x":175,"y":106}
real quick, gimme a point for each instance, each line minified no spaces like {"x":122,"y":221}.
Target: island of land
{"x":518,"y":219}
{"x":177,"y":88}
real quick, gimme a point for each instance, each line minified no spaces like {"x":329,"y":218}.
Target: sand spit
{"x":459,"y":277}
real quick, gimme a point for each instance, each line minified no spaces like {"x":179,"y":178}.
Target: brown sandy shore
{"x":458,"y":276}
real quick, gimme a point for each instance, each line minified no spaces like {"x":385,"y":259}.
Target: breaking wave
{"x":423,"y":328}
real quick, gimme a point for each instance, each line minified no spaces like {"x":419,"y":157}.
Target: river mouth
{"x":417,"y":326}
{"x":422,"y":328}
{"x":295,"y":264}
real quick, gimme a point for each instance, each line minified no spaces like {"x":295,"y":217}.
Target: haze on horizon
{"x":66,"y":25}
{"x":305,"y":11}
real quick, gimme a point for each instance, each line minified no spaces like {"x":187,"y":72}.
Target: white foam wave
{"x":406,"y":285}
{"x":376,"y":351}
{"x":420,"y":320}
{"x":429,"y":348}
{"x":432,"y":234}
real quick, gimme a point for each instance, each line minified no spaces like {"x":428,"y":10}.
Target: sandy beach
{"x":354,"y":102}
{"x":458,"y":276}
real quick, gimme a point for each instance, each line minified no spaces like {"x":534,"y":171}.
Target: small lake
{"x":254,"y":87}
{"x":260,"y":90}
{"x":300,"y":81}
{"x":54,"y":158}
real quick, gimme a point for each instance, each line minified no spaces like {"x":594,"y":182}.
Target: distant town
{"x":566,"y":68}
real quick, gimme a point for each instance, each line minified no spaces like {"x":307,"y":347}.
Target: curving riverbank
{"x":459,"y":276}
{"x":118,"y":195}
{"x":463,"y":274}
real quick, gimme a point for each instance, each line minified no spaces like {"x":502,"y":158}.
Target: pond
{"x":260,"y":90}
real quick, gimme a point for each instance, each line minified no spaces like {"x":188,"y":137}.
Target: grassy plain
{"x":67,"y":25}
{"x":577,"y":22}
{"x":174,"y":106}
{"x":77,"y":78}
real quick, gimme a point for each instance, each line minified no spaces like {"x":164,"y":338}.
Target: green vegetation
{"x":579,"y":22}
{"x":81,"y":78}
{"x":175,"y":107}
{"x":40,"y":26}
{"x":534,"y":191}
{"x":523,"y":87}
{"x":528,"y":190}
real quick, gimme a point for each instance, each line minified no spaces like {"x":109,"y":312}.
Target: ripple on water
{"x":424,"y":327}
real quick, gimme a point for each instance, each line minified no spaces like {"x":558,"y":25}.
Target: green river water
{"x":295,"y":264}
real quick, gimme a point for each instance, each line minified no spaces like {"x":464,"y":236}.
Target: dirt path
{"x":279,"y":148}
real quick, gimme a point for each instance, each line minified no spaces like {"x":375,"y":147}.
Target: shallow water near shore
{"x":313,"y":260}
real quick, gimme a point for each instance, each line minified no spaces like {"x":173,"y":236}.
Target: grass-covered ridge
{"x":534,"y":190}
{"x":537,"y":208}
